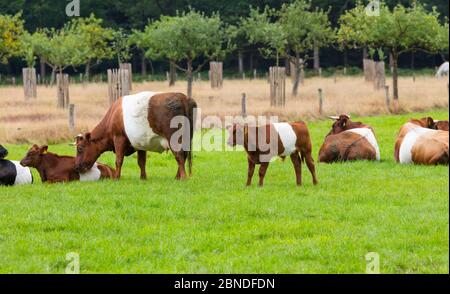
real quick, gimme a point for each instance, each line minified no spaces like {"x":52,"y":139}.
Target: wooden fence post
{"x":277,"y":86}
{"x":71,"y":117}
{"x":369,"y":69}
{"x":127,"y":66}
{"x":216,"y":74}
{"x":118,"y":84}
{"x":388,"y":100}
{"x":62,"y":88}
{"x":244,"y":105}
{"x":380,"y":76}
{"x":29,"y":82}
{"x":254,"y":74}
{"x":320,"y":101}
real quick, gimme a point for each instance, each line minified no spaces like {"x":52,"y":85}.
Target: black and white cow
{"x":11,"y":172}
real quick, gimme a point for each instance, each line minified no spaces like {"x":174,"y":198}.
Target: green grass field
{"x":212,"y":223}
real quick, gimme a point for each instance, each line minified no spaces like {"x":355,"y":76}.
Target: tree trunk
{"x":172,"y":74}
{"x":42,"y":65}
{"x":297,"y":65}
{"x":395,"y":76}
{"x":189,"y":78}
{"x":345,"y":58}
{"x":251,"y":61}
{"x":241,"y":62}
{"x":87,"y":71}
{"x":52,"y":78}
{"x":143,"y":65}
{"x":316,"y":58}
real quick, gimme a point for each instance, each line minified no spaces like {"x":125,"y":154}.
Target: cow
{"x":440,"y":125}
{"x":277,"y":139}
{"x":53,"y":168}
{"x":3,"y":152}
{"x":11,"y":172}
{"x":443,"y":70}
{"x":139,"y":123}
{"x":419,"y":143}
{"x":349,"y":140}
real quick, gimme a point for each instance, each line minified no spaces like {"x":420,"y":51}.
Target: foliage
{"x":186,"y":37}
{"x":94,"y":36}
{"x":11,"y":29}
{"x":121,"y":46}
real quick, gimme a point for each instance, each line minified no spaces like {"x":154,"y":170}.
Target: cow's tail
{"x":190,"y":113}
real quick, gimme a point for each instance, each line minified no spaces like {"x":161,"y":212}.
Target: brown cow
{"x":277,"y":139}
{"x":440,"y":125}
{"x":349,"y":140}
{"x":54,"y":168}
{"x":418,"y":142}
{"x":143,"y":122}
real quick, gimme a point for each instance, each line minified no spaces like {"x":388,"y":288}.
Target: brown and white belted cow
{"x":277,"y":139}
{"x":349,"y":140}
{"x":142,"y":122}
{"x":419,"y":142}
{"x":54,"y":168}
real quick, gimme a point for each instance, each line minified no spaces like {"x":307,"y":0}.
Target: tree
{"x":297,"y":28}
{"x":399,"y":31}
{"x":95,"y":37}
{"x":305,"y":27}
{"x":186,"y":38}
{"x":11,"y":30}
{"x":60,"y":49}
{"x":121,"y":46}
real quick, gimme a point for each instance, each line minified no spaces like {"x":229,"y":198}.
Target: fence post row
{"x":118,"y":84}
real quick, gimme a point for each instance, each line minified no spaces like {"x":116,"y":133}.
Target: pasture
{"x":212,"y":223}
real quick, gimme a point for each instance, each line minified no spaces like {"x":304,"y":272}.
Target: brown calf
{"x":418,"y":142}
{"x":277,"y":139}
{"x":54,"y":168}
{"x":349,"y":140}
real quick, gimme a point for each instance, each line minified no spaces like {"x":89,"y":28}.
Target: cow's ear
{"x":430,"y":123}
{"x":43,"y":149}
{"x":87,"y":136}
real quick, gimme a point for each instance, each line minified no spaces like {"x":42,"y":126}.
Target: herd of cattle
{"x":144,"y":122}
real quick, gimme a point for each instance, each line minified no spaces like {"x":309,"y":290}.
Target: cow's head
{"x":236,"y":134}
{"x":342,"y":123}
{"x":3,"y":152}
{"x":441,"y":125}
{"x":33,"y":157}
{"x":87,"y":153}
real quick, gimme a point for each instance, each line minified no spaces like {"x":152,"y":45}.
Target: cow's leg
{"x":179,"y":156}
{"x":310,"y":163}
{"x":298,"y":167}
{"x":262,"y":172}
{"x":142,"y":159}
{"x":251,"y":170}
{"x":119,"y":143}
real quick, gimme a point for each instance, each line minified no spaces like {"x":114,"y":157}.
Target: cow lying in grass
{"x":54,"y":168}
{"x":3,"y":152}
{"x":440,"y":125}
{"x":11,"y":172}
{"x":419,"y":142}
{"x":277,"y":139}
{"x":349,"y":140}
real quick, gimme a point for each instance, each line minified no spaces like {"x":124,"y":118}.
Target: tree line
{"x":187,"y":40}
